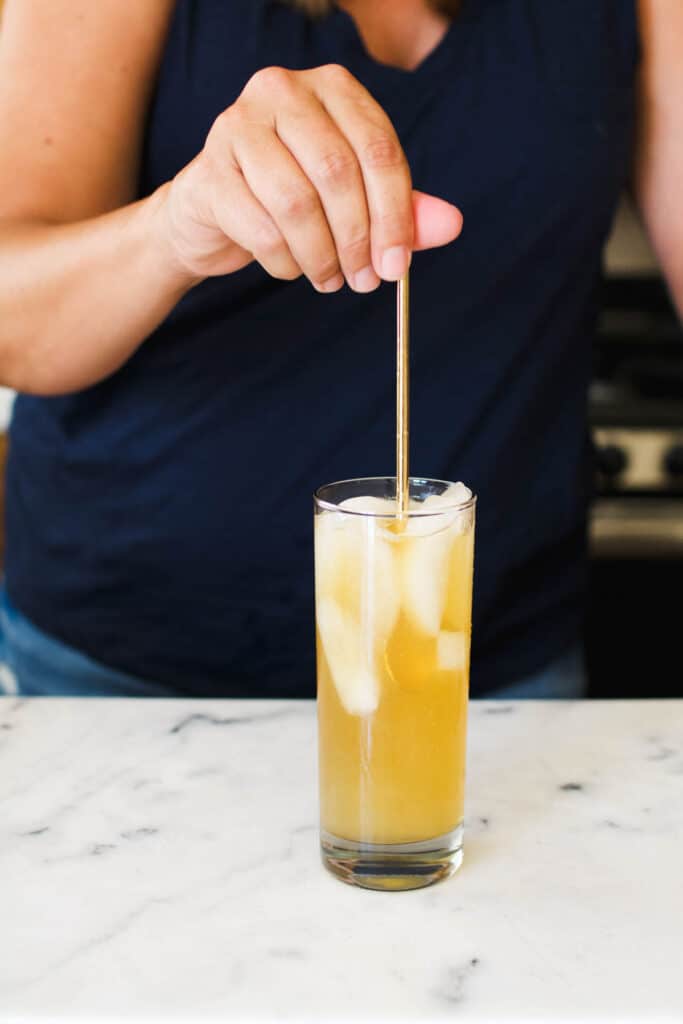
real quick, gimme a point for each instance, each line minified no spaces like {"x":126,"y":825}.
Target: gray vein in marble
{"x":621,"y":827}
{"x":118,"y":929}
{"x":141,"y":783}
{"x":201,"y":717}
{"x":99,"y":848}
{"x":102,"y":848}
{"x":206,"y":773}
{"x":92,"y":850}
{"x":663,"y":754}
{"x":572,"y":787}
{"x":139,"y":833}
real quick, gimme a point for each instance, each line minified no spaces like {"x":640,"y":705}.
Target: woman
{"x":168,"y":195}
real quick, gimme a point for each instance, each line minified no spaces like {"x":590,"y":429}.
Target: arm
{"x":659,"y":152}
{"x":81,"y":278}
{"x":304,"y":173}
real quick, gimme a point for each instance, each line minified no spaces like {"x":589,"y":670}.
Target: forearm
{"x":76,"y":300}
{"x":659,"y":206}
{"x":659,"y":142}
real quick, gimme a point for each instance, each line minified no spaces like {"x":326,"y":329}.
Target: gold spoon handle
{"x":402,"y":393}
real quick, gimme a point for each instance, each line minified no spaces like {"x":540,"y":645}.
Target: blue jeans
{"x":34,"y":664}
{"x":565,"y":678}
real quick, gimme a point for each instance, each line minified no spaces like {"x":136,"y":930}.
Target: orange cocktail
{"x":393,"y":605}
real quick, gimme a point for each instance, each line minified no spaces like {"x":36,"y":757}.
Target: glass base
{"x":395,"y":867}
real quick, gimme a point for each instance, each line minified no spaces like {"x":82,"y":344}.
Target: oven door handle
{"x":637,"y":528}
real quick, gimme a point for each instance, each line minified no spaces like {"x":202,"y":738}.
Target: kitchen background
{"x":636,"y":422}
{"x":636,"y":419}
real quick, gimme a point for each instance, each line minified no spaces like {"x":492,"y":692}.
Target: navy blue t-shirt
{"x":161,"y":521}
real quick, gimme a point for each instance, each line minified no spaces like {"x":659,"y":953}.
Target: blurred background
{"x":636,"y":420}
{"x":635,"y":414}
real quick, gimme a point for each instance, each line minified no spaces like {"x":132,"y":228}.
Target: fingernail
{"x":333,"y":284}
{"x":365,"y":280}
{"x":395,"y":263}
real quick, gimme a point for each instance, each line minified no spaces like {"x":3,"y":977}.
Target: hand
{"x":305,"y":174}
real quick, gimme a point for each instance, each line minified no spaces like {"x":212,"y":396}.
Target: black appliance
{"x":634,"y":641}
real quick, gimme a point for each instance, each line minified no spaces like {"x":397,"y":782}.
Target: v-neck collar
{"x":348,"y":28}
{"x":404,"y":94}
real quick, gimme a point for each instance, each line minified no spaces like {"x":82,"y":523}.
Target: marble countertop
{"x":159,"y":861}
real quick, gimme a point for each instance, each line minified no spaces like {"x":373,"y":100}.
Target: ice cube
{"x":456,"y":494}
{"x":451,"y":651}
{"x":427,"y":524}
{"x":369,"y":505}
{"x":445,"y":504}
{"x":355,"y":564}
{"x":426,"y":561}
{"x":424,"y":578}
{"x":357,"y":597}
{"x":330,"y":549}
{"x":352,"y":665}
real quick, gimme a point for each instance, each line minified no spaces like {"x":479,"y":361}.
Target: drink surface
{"x":393,"y":632}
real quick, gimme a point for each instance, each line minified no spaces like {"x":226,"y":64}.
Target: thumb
{"x":436,"y":221}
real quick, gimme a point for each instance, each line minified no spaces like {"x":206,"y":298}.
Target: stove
{"x":636,"y":526}
{"x":636,"y":416}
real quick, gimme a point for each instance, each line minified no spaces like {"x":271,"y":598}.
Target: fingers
{"x":436,"y":221}
{"x":244,"y":220}
{"x":281,"y":186}
{"x":309,"y":176}
{"x":330,"y":164}
{"x":383,"y":165}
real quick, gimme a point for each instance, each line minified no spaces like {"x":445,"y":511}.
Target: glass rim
{"x":328,"y":506}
